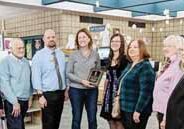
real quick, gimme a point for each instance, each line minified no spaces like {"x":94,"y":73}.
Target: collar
{"x":173,"y":58}
{"x":16,"y":58}
{"x":50,"y":50}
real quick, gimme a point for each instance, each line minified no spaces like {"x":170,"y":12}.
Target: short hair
{"x":15,"y":40}
{"x":174,"y":40}
{"x":48,"y":31}
{"x":142,"y":49}
{"x":84,"y":30}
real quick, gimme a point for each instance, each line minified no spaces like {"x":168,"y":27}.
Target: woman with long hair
{"x":117,"y":63}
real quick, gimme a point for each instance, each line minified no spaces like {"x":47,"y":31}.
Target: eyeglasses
{"x":115,"y":41}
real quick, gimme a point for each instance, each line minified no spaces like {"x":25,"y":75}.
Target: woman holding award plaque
{"x":81,"y":91}
{"x":136,"y":82}
{"x":117,"y":63}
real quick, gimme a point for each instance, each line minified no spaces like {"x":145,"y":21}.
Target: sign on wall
{"x":97,"y":28}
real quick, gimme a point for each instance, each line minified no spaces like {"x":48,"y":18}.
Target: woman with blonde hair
{"x":175,"y":106}
{"x":167,"y":78}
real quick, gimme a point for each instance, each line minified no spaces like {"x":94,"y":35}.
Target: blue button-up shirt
{"x":15,"y":79}
{"x":44,"y":75}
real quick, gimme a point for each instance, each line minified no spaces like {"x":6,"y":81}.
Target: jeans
{"x":15,"y":122}
{"x":79,"y":98}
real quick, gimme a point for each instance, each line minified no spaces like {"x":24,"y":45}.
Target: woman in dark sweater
{"x":137,"y":82}
{"x":117,"y":63}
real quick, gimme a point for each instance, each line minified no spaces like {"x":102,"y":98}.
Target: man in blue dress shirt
{"x":48,"y":77}
{"x":15,"y":82}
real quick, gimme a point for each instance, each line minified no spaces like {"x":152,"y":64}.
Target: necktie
{"x":168,"y":62}
{"x":57,"y":70}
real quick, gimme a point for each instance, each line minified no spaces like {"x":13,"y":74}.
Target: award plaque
{"x":95,"y":76}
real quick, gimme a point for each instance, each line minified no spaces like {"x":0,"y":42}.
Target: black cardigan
{"x":1,"y":103}
{"x":175,"y":108}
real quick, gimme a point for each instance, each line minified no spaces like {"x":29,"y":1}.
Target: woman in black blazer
{"x":175,"y":110}
{"x":1,"y":107}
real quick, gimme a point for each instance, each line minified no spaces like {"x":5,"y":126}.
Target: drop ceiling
{"x":143,"y":9}
{"x":130,"y":8}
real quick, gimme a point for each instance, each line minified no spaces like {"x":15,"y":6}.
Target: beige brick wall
{"x":64,"y":23}
{"x":67,"y":22}
{"x":174,"y":27}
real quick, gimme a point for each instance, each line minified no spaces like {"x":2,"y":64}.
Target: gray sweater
{"x":78,"y":68}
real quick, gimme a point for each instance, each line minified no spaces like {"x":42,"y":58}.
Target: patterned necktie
{"x":57,"y":70}
{"x":168,"y":62}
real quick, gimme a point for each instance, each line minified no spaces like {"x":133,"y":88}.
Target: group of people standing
{"x":129,"y":72}
{"x":135,"y":77}
{"x":53,"y":82}
{"x":142,"y":90}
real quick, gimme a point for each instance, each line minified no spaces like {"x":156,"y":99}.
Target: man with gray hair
{"x":15,"y":78}
{"x":48,"y":77}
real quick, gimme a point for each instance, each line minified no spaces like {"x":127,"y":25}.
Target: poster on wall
{"x":105,"y":36}
{"x":1,"y":42}
{"x":29,"y":49}
{"x":32,"y":45}
{"x":7,"y":44}
{"x":101,"y":34}
{"x":71,"y":42}
{"x":36,"y":46}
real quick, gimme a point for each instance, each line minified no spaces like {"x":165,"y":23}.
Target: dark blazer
{"x":1,"y":103}
{"x":175,"y":108}
{"x":137,"y":88}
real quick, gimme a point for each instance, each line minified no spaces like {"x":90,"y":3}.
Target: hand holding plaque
{"x":95,"y":75}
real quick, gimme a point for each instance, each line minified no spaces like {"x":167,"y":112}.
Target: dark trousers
{"x":51,"y":114}
{"x":160,"y":118}
{"x":79,"y":98}
{"x":15,"y":122}
{"x":129,"y":123}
